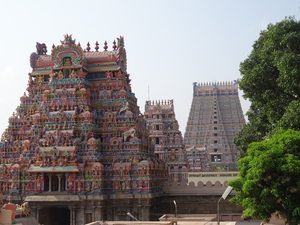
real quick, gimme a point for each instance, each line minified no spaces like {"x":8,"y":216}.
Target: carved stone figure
{"x":128,"y":133}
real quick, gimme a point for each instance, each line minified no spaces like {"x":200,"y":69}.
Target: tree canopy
{"x":271,"y":81}
{"x":269,"y":163}
{"x":269,"y":178}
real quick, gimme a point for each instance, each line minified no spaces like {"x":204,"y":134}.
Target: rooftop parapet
{"x":218,"y":84}
{"x":160,"y":105}
{"x":160,"y":102}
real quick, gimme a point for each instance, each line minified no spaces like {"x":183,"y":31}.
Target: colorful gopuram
{"x":166,"y":137}
{"x":215,"y":118}
{"x":78,"y":141}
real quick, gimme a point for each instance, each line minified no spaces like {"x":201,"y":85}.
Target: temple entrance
{"x":54,"y":216}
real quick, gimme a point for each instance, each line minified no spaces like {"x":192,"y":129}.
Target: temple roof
{"x":91,"y":61}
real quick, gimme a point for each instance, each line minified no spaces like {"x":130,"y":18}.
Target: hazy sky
{"x":170,"y":44}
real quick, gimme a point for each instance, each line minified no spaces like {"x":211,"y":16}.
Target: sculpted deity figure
{"x":39,"y":183}
{"x":129,"y":133}
{"x":124,"y":109}
{"x":79,"y":186}
{"x":73,"y":74}
{"x":60,"y":75}
{"x":70,"y":181}
{"x":67,"y":62}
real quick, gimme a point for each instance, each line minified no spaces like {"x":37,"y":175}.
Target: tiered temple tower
{"x":78,"y":139}
{"x":165,"y":135}
{"x":215,"y":118}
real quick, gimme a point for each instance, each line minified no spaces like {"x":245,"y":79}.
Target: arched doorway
{"x":55,"y":215}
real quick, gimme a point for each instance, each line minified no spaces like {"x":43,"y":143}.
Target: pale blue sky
{"x":170,"y":44}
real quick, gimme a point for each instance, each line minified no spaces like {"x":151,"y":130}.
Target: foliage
{"x":291,"y":118}
{"x":269,"y":178}
{"x":271,"y":81}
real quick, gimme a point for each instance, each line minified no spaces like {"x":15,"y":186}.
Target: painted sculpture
{"x":78,"y":128}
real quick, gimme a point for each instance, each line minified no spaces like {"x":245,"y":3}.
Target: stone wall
{"x":216,"y":188}
{"x":221,"y":176}
{"x":200,"y":198}
{"x":197,"y":204}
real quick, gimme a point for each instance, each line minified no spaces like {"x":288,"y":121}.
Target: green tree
{"x":269,"y":178}
{"x":271,"y":81}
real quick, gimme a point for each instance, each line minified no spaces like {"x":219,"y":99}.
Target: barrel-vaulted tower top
{"x":76,"y":57}
{"x":68,"y":49}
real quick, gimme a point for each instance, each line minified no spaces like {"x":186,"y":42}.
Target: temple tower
{"x":78,"y":134}
{"x":215,"y":118}
{"x":166,"y":137}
